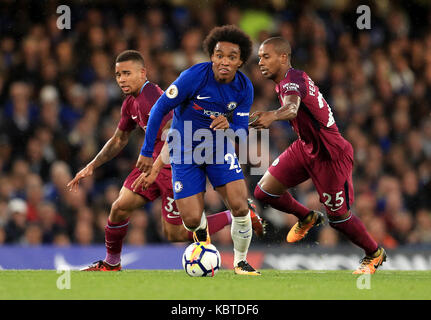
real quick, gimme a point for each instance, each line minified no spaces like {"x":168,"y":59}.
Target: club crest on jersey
{"x":231,"y":105}
{"x":178,"y":186}
{"x":172,"y":91}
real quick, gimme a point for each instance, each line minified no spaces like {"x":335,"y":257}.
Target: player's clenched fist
{"x":87,"y":171}
{"x":219,"y":123}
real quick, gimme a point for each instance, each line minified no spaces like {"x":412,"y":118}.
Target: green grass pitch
{"x":176,"y":285}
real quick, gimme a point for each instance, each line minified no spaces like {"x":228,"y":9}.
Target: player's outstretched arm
{"x":289,"y":111}
{"x":85,"y":172}
{"x":111,"y":148}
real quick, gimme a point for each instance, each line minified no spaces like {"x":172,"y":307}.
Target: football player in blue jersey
{"x":206,"y":98}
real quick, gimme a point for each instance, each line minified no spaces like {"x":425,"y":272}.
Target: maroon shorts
{"x":162,"y":187}
{"x":331,"y":178}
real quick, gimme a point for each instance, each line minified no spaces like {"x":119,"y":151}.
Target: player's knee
{"x":118,"y":211}
{"x":116,"y":206}
{"x":239,"y":208}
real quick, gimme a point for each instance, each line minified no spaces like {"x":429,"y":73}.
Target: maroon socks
{"x":284,"y":202}
{"x":355,"y":231}
{"x":114,"y":235}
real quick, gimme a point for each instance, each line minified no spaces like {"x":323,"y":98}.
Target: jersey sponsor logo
{"x":172,"y":91}
{"x":213,"y":113}
{"x":207,"y":112}
{"x":231,"y":105}
{"x":201,"y":98}
{"x":178,"y":186}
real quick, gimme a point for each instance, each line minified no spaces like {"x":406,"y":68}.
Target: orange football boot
{"x":369,"y":264}
{"x":258,"y":225}
{"x":301,"y":228}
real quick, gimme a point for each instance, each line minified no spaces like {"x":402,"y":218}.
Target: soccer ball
{"x":201,"y":259}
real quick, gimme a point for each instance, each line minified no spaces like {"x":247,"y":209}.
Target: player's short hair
{"x":280,"y":44}
{"x":130,"y":55}
{"x":229,"y":33}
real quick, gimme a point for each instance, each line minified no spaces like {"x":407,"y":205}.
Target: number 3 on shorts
{"x":170,"y":208}
{"x":339,"y":200}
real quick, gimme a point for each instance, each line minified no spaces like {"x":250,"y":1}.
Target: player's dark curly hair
{"x":229,"y":33}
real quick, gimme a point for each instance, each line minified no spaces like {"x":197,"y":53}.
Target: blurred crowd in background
{"x":59,"y":104}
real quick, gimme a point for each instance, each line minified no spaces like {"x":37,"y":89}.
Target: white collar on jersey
{"x":143,"y":86}
{"x":288,"y":72}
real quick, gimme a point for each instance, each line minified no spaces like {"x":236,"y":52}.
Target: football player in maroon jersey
{"x":319,"y":153}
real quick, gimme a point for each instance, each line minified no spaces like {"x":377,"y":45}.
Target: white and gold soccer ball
{"x":201,"y":259}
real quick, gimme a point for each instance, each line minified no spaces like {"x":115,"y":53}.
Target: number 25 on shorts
{"x":334,"y":204}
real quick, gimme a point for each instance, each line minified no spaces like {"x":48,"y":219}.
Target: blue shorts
{"x":190,"y":179}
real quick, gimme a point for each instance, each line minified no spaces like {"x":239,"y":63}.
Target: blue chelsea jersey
{"x":196,"y":95}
